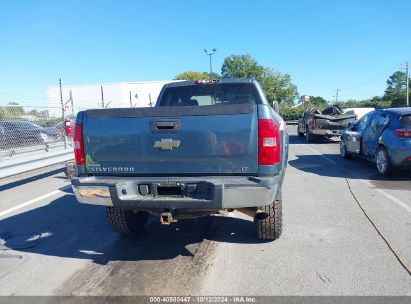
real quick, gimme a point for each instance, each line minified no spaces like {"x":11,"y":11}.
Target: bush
{"x":288,"y":113}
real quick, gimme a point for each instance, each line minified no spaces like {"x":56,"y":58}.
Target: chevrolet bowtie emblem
{"x":166,"y":144}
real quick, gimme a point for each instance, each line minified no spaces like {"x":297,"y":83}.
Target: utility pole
{"x":210,"y":53}
{"x":63,"y":115}
{"x":72,"y":104}
{"x":407,"y":83}
{"x":336,"y":95}
{"x":102,"y":97}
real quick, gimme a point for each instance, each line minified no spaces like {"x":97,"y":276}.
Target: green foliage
{"x":4,"y":113}
{"x":13,"y":111}
{"x":241,"y":66}
{"x":277,"y":86}
{"x":288,"y":113}
{"x":50,"y":122}
{"x":396,"y":89}
{"x":373,"y":103}
{"x":193,"y":75}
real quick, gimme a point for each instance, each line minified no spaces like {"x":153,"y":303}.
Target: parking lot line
{"x":387,"y":195}
{"x":33,"y":201}
{"x":399,"y":202}
{"x":320,"y":154}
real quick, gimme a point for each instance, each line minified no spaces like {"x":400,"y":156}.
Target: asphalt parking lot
{"x":347,"y":231}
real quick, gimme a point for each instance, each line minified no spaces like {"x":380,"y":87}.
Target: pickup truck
{"x":326,"y":124}
{"x":206,"y":147}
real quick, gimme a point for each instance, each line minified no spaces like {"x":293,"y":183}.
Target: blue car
{"x":381,"y":136}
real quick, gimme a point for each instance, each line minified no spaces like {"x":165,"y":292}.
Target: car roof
{"x":400,"y":111}
{"x":224,"y":80}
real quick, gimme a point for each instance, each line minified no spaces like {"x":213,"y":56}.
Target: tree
{"x":241,"y":66}
{"x":396,"y":89}
{"x":193,"y":75}
{"x":14,"y":110}
{"x":277,"y":86}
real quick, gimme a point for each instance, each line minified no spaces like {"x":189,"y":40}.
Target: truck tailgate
{"x":172,"y":141}
{"x":334,"y":123}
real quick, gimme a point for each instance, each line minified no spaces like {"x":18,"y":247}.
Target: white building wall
{"x":116,"y":95}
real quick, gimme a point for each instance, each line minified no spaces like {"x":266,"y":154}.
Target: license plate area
{"x":164,"y":190}
{"x":169,"y":191}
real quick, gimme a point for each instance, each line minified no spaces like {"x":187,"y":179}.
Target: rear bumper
{"x":323,"y":132}
{"x":400,"y":157}
{"x":205,"y":193}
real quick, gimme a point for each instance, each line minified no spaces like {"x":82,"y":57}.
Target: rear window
{"x":210,"y":94}
{"x":406,"y":121}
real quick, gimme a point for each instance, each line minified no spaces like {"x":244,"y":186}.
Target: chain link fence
{"x":26,"y":129}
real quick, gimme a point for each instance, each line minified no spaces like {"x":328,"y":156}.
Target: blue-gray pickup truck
{"x":206,"y":147}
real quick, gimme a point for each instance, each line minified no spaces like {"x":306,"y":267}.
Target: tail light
{"x":403,"y":133}
{"x":269,"y":152}
{"x":313,"y":122}
{"x":79,"y":145}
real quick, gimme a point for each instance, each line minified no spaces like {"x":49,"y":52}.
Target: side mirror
{"x":352,"y":125}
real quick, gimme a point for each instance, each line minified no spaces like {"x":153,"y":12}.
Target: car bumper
{"x":401,"y":157}
{"x":205,"y":193}
{"x":322,"y":132}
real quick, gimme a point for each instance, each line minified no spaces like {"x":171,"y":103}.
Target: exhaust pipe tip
{"x":254,"y":213}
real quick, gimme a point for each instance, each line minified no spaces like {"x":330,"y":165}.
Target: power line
{"x":363,"y":83}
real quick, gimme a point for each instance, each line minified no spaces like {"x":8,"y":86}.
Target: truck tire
{"x":299,"y":133}
{"x":343,"y":150}
{"x":383,"y":162}
{"x":270,"y":227}
{"x":126,"y":221}
{"x":308,"y":136}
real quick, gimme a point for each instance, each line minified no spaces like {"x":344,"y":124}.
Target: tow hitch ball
{"x":166,"y":218}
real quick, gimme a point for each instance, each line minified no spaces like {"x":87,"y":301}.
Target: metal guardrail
{"x":33,"y":162}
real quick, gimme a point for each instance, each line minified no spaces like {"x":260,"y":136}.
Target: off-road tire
{"x":270,"y":228}
{"x":299,"y":133}
{"x":126,"y":221}
{"x":386,"y":169}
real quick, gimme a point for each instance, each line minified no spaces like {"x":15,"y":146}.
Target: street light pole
{"x":210,"y":53}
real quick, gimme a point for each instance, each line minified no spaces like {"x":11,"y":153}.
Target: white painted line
{"x":387,"y":195}
{"x":321,"y":155}
{"x":33,"y":201}
{"x":395,"y":200}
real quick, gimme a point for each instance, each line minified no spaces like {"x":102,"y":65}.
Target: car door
{"x":353,"y":138}
{"x":372,"y":133}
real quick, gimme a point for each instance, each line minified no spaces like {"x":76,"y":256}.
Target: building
{"x":110,"y":95}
